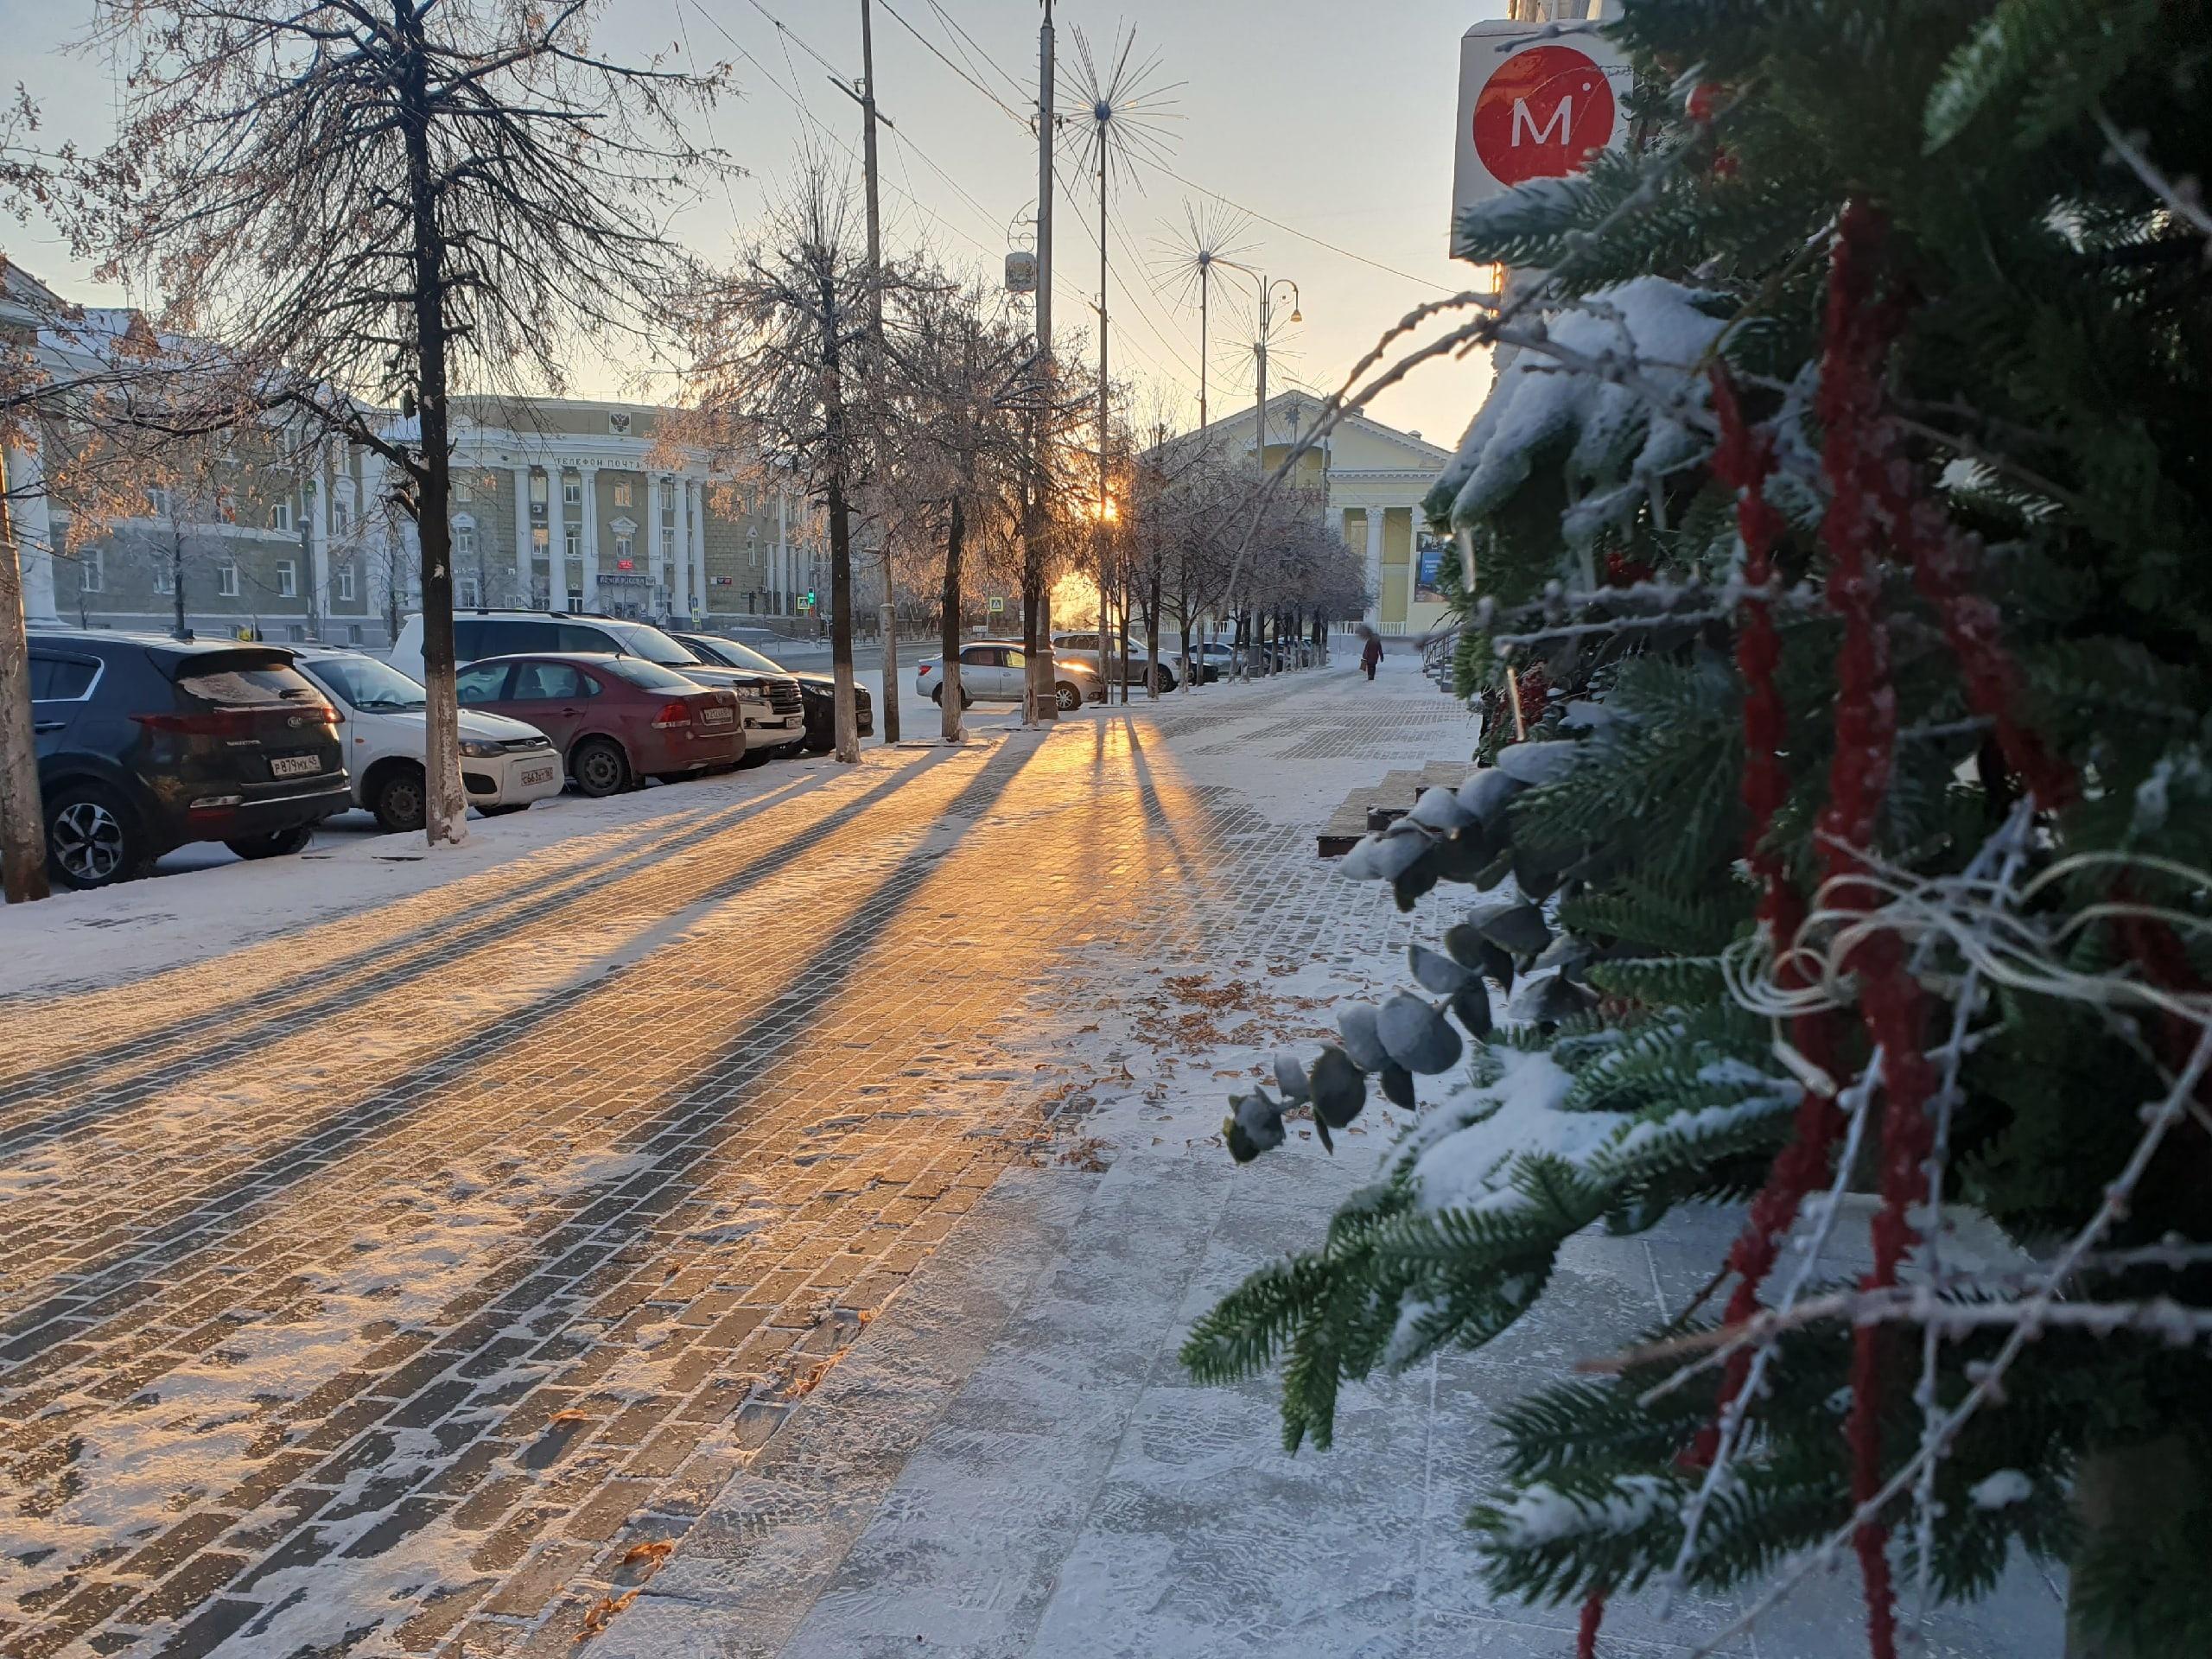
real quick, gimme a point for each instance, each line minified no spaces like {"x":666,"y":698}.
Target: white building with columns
{"x":1371,"y":479}
{"x":578,"y":505}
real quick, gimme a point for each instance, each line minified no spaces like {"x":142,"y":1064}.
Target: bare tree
{"x":778,"y":349}
{"x":970,"y":386}
{"x":379,"y":202}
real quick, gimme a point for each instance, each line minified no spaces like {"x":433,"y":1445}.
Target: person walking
{"x":1371,"y":653}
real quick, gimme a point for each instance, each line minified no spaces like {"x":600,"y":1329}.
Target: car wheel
{"x":599,"y":767}
{"x":502,"y":811}
{"x":1069,"y":695}
{"x":281,"y":844}
{"x":400,"y":805}
{"x":90,"y":840}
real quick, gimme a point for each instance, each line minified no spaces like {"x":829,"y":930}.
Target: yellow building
{"x":1371,"y":479}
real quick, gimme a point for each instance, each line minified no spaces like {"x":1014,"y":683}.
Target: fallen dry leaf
{"x":658,"y":1550}
{"x":571,"y":1415}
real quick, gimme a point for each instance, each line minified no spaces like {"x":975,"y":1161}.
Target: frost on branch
{"x":1606,"y":382}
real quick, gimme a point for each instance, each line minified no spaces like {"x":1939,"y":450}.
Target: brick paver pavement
{"x":407,"y":1284}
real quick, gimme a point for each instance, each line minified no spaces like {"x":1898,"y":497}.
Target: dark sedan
{"x":147,"y":743}
{"x":819,"y":691}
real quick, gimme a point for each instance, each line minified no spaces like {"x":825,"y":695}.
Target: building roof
{"x":1358,"y":442}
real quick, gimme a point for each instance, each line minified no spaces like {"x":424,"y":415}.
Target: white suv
{"x":504,"y":765}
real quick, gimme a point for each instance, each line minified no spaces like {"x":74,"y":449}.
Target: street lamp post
{"x":1266,"y":292}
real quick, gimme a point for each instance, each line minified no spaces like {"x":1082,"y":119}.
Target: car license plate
{"x":718,"y":716}
{"x":294,"y":765}
{"x":537,"y":775}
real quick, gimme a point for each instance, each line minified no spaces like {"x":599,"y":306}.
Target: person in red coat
{"x":1371,"y":653}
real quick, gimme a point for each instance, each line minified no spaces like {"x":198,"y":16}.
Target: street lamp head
{"x":1296,"y":316}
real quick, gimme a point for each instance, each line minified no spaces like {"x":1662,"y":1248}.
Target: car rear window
{"x":239,"y":679}
{"x":648,"y":676}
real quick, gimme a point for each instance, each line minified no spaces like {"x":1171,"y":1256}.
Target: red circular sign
{"x":1543,"y":115}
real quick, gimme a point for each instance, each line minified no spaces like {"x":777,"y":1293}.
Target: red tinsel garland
{"x":1744,"y":458}
{"x":1860,"y":328}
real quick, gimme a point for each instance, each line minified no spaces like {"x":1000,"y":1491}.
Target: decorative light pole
{"x":1122,"y":113}
{"x":1267,"y":292}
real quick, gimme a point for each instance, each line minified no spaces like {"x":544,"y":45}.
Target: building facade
{"x":1371,"y":479}
{"x":557,"y":504}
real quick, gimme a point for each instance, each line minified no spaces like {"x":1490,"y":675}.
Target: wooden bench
{"x":1396,"y":793}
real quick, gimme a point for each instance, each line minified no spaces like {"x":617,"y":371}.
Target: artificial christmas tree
{"x":1848,"y":495}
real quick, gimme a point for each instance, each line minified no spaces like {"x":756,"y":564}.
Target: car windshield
{"x":650,"y":643}
{"x":649,"y":676}
{"x":367,"y":684}
{"x":733,"y":655}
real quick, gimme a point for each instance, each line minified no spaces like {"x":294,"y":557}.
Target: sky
{"x":1332,"y":119}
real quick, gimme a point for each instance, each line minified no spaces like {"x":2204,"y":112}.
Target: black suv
{"x":818,"y":692}
{"x":146,"y":743}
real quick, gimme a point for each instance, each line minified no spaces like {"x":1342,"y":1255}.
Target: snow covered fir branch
{"x":1830,"y":585}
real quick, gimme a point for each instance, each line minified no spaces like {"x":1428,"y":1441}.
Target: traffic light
{"x":810,"y":595}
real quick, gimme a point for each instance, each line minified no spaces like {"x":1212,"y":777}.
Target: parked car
{"x":1083,"y":647}
{"x":993,"y":671}
{"x":1212,"y":660}
{"x":616,"y":719}
{"x":818,"y":692}
{"x":772,"y":721}
{"x":147,"y":743}
{"x":504,"y":765}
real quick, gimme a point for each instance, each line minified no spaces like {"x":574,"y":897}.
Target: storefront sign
{"x":1533,"y":104}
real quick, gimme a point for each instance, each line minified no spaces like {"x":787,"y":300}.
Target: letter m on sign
{"x":1554,"y":132}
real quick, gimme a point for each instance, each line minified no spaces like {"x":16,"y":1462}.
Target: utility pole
{"x":1099,"y":538}
{"x":1267,"y":321}
{"x":1044,"y":697}
{"x":889,"y":615}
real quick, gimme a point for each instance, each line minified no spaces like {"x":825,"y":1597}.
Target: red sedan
{"x":614,"y":719}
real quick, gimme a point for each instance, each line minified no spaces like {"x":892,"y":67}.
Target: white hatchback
{"x":505,"y":764}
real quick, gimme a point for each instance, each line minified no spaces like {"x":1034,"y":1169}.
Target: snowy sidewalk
{"x":762,"y":1223}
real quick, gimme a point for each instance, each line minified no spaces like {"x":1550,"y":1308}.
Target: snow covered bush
{"x":1836,"y":528}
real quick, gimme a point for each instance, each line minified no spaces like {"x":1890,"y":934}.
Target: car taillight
{"x":674,"y":713}
{"x":928,"y":668}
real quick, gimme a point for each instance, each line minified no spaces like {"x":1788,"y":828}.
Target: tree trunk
{"x":889,"y":616}
{"x":445,"y":816}
{"x":177,"y":582}
{"x":1152,"y":638}
{"x":23,"y":816}
{"x":948,"y":627}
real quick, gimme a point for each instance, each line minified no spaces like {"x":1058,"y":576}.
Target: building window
{"x":622,"y":548}
{"x":345,"y":582}
{"x":540,"y":539}
{"x":165,"y":578}
{"x":572,"y":489}
{"x":464,"y":540}
{"x":338,"y":518}
{"x":622,"y":494}
{"x":159,"y":502}
{"x":461,"y":493}
{"x":467,"y":594}
{"x":354,"y":633}
{"x":538,"y":488}
{"x":92,"y":572}
{"x":667,"y":541}
{"x":575,"y":539}
{"x":288,"y":578}
{"x":226,"y":581}
{"x":280,"y":516}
